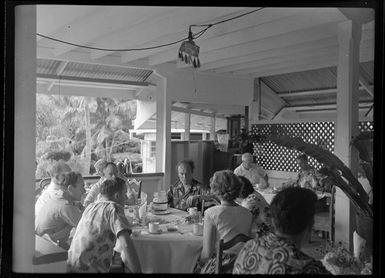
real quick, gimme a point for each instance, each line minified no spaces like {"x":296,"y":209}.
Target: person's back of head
{"x":111,"y":188}
{"x":226,"y":185}
{"x":247,"y":187}
{"x":57,"y":172}
{"x":292,"y":210}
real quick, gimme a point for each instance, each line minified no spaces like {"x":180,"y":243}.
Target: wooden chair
{"x":138,"y":183}
{"x":224,"y":246}
{"x":324,"y":221}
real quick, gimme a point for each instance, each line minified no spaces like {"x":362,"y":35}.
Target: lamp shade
{"x":189,"y":52}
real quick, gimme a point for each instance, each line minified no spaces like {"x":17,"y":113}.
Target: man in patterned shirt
{"x":187,"y":191}
{"x":101,"y":224}
{"x":292,"y":211}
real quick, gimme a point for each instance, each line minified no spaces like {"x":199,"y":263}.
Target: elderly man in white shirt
{"x":56,"y":213}
{"x":252,"y":171}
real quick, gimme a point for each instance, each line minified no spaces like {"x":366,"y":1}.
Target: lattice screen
{"x":273,"y":157}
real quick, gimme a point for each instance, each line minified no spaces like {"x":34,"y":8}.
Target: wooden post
{"x":187,"y":122}
{"x":163,"y":131}
{"x":23,"y":245}
{"x":212,"y":128}
{"x":255,"y":107}
{"x":349,"y":35}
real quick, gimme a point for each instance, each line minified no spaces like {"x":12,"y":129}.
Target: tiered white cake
{"x":159,"y":203}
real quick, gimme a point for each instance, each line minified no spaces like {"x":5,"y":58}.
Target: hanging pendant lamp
{"x":189,"y":51}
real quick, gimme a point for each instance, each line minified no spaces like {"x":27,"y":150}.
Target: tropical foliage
{"x":81,"y":130}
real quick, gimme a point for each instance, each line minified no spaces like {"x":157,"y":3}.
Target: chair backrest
{"x":332,"y":213}
{"x":224,"y":246}
{"x":138,"y":183}
{"x":44,"y":182}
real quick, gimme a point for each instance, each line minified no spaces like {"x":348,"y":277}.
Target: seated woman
{"x":292,"y":212}
{"x":258,"y":206}
{"x":187,"y":191}
{"x":223,"y":221}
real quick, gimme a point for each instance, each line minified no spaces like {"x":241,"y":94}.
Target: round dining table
{"x":166,"y":251}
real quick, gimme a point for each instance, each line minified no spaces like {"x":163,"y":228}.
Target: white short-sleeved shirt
{"x":95,"y":237}
{"x":254,"y":173}
{"x":55,"y":214}
{"x":229,"y":221}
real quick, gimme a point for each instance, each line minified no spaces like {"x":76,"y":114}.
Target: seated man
{"x":101,"y":224}
{"x":279,"y":252}
{"x":109,"y":171}
{"x":252,"y":171}
{"x":55,"y":210}
{"x":186,"y":192}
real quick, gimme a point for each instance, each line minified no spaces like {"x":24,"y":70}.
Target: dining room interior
{"x":147,"y":87}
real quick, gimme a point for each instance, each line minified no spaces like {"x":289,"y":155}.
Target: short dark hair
{"x":110,"y":187}
{"x":292,"y":210}
{"x":226,"y":184}
{"x":247,"y":187}
{"x":72,"y":178}
{"x":186,"y":162}
{"x":302,"y":157}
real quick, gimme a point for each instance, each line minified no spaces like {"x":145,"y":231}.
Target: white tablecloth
{"x":168,"y":252}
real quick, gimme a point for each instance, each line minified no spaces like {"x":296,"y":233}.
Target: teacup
{"x":198,"y":229}
{"x":192,"y":211}
{"x":153,"y":227}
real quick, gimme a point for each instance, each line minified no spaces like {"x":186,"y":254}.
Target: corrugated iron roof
{"x":319,"y":79}
{"x":98,"y":71}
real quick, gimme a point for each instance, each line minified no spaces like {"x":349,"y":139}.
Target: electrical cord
{"x":195,"y":36}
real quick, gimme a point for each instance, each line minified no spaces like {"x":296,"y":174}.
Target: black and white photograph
{"x":166,"y":139}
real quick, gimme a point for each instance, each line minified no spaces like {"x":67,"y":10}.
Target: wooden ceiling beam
{"x":278,"y":27}
{"x":296,"y":66}
{"x":171,"y":21}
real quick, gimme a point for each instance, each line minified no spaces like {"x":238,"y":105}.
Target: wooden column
{"x":349,"y":35}
{"x":255,"y":106}
{"x":187,"y":122}
{"x":212,"y":127}
{"x":247,"y":118}
{"x":163,"y":131}
{"x":23,"y":246}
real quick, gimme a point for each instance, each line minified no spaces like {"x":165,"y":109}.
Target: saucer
{"x":155,"y":233}
{"x":161,"y":212}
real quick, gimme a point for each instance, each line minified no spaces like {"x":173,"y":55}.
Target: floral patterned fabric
{"x":271,"y":254}
{"x":228,"y":260}
{"x":179,"y":199}
{"x":95,"y":237}
{"x":260,"y":209}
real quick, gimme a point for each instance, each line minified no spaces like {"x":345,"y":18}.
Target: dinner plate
{"x":161,"y":212}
